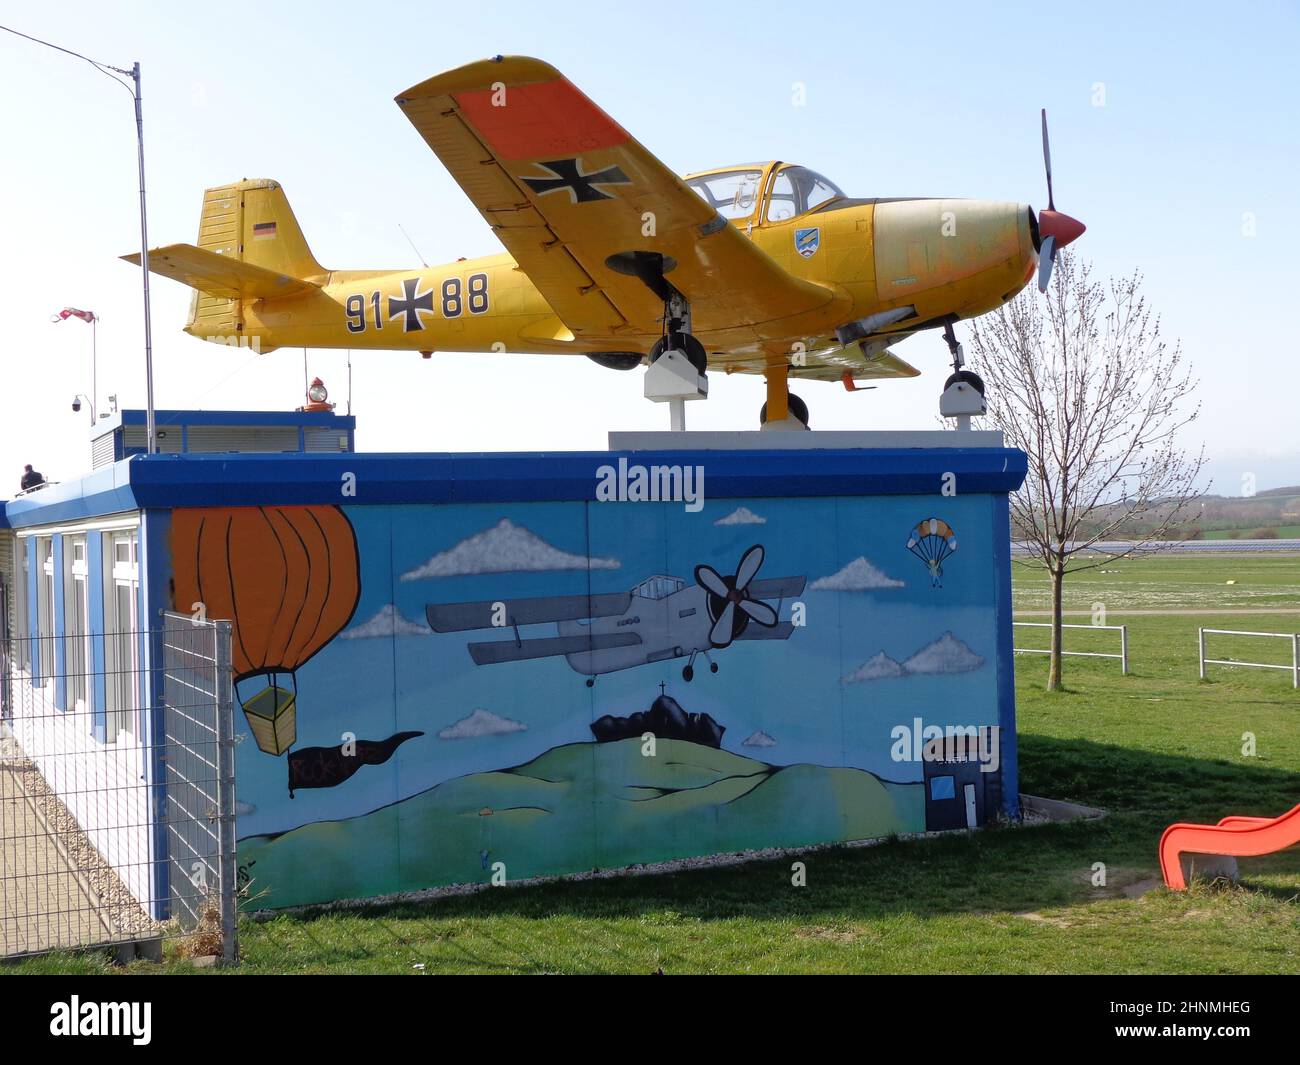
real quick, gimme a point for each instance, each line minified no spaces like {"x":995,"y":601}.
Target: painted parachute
{"x":932,"y":541}
{"x":287,"y":578}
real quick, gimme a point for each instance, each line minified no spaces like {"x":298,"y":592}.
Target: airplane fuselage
{"x":672,"y":627}
{"x":943,"y":257}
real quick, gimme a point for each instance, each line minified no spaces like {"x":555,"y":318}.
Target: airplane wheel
{"x":591,"y":682}
{"x":970,"y":378}
{"x":713,"y":667}
{"x":693,"y":350}
{"x":688,"y":673}
{"x":798,"y":409}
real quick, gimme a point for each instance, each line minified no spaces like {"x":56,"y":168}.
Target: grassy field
{"x":1151,"y":748}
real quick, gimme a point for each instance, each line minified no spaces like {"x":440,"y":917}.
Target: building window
{"x":76,"y":623}
{"x":23,"y":633}
{"x":121,"y":632}
{"x":45,"y":606}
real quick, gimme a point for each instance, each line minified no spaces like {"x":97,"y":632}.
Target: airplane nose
{"x":1060,"y":226}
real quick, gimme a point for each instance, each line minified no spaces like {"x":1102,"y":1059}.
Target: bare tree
{"x":1082,"y":382}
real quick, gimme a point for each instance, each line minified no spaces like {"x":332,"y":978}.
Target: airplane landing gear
{"x":783,"y":409}
{"x":688,"y":670}
{"x":677,"y":337}
{"x":959,"y":372}
{"x":963,"y":392}
{"x":677,"y":363}
{"x":591,"y":682}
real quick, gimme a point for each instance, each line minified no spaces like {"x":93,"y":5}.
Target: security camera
{"x":76,"y":404}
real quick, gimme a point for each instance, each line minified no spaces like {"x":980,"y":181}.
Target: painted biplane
{"x":764,"y":268}
{"x":662,"y":618}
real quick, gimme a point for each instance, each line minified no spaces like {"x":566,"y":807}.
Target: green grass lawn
{"x":1151,"y":748}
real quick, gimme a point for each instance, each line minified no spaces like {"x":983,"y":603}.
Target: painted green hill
{"x":574,"y":808}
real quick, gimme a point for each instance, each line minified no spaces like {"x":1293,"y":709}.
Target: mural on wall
{"x":288,"y":579}
{"x":932,"y":541}
{"x":660,"y":619}
{"x":540,"y":764}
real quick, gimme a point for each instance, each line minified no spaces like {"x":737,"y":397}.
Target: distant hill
{"x":1271,"y":514}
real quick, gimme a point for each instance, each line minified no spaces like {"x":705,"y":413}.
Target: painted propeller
{"x":1055,"y":229}
{"x":731,"y":607}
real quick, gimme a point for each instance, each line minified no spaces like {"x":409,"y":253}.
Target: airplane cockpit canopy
{"x":659,"y":587}
{"x":734,"y":192}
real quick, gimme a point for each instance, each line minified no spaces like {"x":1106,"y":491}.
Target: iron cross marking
{"x":567,"y":175}
{"x":411,"y":305}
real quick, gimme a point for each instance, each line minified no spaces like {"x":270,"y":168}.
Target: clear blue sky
{"x":1199,"y":126}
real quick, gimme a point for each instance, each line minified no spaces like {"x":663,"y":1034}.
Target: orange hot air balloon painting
{"x":287,"y":578}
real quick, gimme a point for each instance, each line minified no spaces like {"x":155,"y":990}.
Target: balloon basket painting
{"x":272,"y":716}
{"x":447,"y":686}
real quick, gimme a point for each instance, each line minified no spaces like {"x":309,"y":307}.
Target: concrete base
{"x":756,"y":439}
{"x":1036,"y":807}
{"x":1209,"y":866}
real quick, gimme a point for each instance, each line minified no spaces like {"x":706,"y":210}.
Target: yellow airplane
{"x":764,"y":268}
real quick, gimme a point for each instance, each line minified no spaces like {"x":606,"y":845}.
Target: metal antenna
{"x":413,"y":247}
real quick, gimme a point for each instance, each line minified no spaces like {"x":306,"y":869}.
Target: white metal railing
{"x":1123,"y":643}
{"x":1293,"y":668}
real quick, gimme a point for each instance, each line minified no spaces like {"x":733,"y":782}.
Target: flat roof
{"x":248,"y":479}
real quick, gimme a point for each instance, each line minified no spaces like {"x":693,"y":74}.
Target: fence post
{"x":1123,"y":650}
{"x":226,"y":873}
{"x":1295,"y":660}
{"x":1201,"y":640}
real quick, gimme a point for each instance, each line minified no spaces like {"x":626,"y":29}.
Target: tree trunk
{"x":1054,"y":668}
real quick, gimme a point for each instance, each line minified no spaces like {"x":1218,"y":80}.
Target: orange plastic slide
{"x":1238,"y":837}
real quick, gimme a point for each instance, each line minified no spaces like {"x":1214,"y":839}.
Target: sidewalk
{"x":45,"y":901}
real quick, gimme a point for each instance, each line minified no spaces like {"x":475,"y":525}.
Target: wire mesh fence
{"x":117,"y":791}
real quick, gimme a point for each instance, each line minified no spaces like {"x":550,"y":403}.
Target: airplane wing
{"x":777,"y":587}
{"x":459,"y":617}
{"x":780,"y":631}
{"x":486,"y":654}
{"x":572,"y":196}
{"x":220,"y":275}
{"x":831,"y":365}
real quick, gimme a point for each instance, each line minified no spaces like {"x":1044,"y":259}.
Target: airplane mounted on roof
{"x":764,"y":268}
{"x":662,"y":618}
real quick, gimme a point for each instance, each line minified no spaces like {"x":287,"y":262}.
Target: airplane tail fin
{"x":249,"y":247}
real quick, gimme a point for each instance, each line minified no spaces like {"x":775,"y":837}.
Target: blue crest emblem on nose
{"x":807,"y":241}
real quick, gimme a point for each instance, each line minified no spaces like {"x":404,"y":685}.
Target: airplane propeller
{"x":1055,"y":229}
{"x":731,"y":608}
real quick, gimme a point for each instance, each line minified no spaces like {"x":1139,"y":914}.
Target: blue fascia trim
{"x":1001,"y":514}
{"x":163,"y":418}
{"x":166,"y":481}
{"x":251,"y":480}
{"x":103,"y":491}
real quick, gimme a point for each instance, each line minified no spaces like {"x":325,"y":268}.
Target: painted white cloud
{"x":878,"y":668}
{"x":504,"y":548}
{"x":244,"y":809}
{"x":387,"y":621}
{"x":759,"y":739}
{"x":741,"y":516}
{"x":481,"y":723}
{"x":858,"y":576}
{"x":947,"y":654}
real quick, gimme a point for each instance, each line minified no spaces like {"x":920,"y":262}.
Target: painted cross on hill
{"x":567,"y":175}
{"x":411,"y":305}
